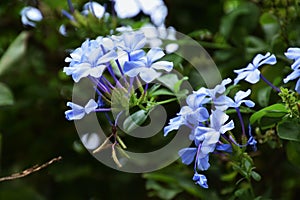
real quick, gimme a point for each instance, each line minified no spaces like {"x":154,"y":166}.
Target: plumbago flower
{"x":294,"y":54}
{"x":95,"y":8}
{"x":78,"y":112}
{"x":156,"y":9}
{"x":98,"y":60}
{"x":90,"y":59}
{"x":146,"y":66}
{"x":251,"y":73}
{"x":208,"y":131}
{"x":31,"y":15}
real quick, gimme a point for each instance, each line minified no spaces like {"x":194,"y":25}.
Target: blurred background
{"x":33,"y":128}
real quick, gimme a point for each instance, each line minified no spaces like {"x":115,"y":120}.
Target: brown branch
{"x":28,"y":171}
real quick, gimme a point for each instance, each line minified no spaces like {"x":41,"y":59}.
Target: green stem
{"x":166,"y":101}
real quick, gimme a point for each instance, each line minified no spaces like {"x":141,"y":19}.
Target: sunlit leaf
{"x":274,"y":111}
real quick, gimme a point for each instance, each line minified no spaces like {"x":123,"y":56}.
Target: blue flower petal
{"x":187,"y":155}
{"x":200,"y":180}
{"x":202,"y":163}
{"x":90,"y":106}
{"x":174,"y":124}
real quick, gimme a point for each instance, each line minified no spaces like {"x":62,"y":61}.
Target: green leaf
{"x":169,"y":80}
{"x":162,"y":91}
{"x":14,"y":52}
{"x":269,"y":24}
{"x":162,"y":192}
{"x":293,"y":152}
{"x":134,"y":120}
{"x":274,"y":111}
{"x":255,"y":176}
{"x":289,"y":130}
{"x":178,"y":84}
{"x":6,"y":96}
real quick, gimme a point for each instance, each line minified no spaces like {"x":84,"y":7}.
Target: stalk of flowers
{"x":114,"y":64}
{"x":210,"y":131}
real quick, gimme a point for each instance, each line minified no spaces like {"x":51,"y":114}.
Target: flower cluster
{"x":207,"y":130}
{"x":96,"y":57}
{"x":211,"y":132}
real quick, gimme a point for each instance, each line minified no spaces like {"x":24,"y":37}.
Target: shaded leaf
{"x":14,"y":52}
{"x":134,"y":120}
{"x":162,"y":91}
{"x":6,"y":96}
{"x":289,"y":130}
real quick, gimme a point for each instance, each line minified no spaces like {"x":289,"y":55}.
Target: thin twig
{"x":28,"y":171}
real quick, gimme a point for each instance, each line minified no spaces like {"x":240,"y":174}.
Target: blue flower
{"x":130,"y":8}
{"x":78,"y":112}
{"x":95,"y":8}
{"x":190,"y":115}
{"x":88,"y":60}
{"x":216,"y":95}
{"x":200,"y":179}
{"x":30,"y":15}
{"x":209,"y":136}
{"x":238,"y":99}
{"x":131,"y":41}
{"x":251,"y":73}
{"x":146,"y":67}
{"x":251,"y":141}
{"x":294,"y":53}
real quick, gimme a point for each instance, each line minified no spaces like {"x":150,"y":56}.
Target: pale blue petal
{"x":77,"y":112}
{"x":109,"y":56}
{"x":159,"y":14}
{"x":253,"y":77}
{"x":126,"y":8}
{"x":154,"y":54}
{"x":134,"y":41}
{"x":94,"y":8}
{"x":187,"y":155}
{"x":148,"y":74}
{"x":90,"y":106}
{"x":242,"y":74}
{"x":267,"y":59}
{"x":202,"y":163}
{"x":293,"y":53}
{"x":295,"y":74}
{"x":200,"y":180}
{"x":248,"y":103}
{"x":217,"y":119}
{"x":133,"y":65}
{"x":174,"y":124}
{"x":227,"y":127}
{"x":224,"y":147}
{"x":163,"y":65}
{"x":171,"y":48}
{"x":149,"y":6}
{"x":241,"y":95}
{"x":137,"y":55}
{"x":97,"y":71}
{"x":80,"y":71}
